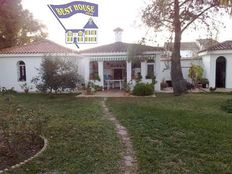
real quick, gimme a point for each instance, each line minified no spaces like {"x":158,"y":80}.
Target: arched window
{"x":21,"y":71}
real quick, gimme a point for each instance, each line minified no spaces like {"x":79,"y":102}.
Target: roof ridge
{"x":30,"y":43}
{"x":220,"y":44}
{"x":39,"y":46}
{"x":119,"y":47}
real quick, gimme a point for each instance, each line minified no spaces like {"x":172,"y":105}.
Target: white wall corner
{"x":158,"y":72}
{"x":128,"y":71}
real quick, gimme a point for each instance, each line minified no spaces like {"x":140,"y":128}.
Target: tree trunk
{"x":178,"y":82}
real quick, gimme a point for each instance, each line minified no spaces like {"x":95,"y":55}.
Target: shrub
{"x":196,"y":73}
{"x":227,"y":106}
{"x":6,"y":91}
{"x":204,"y":82}
{"x":142,"y":89}
{"x":57,"y":75}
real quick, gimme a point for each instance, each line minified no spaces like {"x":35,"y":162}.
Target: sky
{"x":125,"y":14}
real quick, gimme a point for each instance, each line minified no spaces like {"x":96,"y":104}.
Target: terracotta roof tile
{"x":184,"y":46}
{"x":206,"y":43}
{"x":227,"y":45}
{"x":119,"y":47}
{"x":40,"y":47}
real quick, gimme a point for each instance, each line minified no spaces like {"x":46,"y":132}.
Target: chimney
{"x":118,"y":34}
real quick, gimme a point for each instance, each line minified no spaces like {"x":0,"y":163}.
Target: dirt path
{"x":129,"y":162}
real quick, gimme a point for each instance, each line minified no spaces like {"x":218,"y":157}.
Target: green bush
{"x":227,"y":106}
{"x":6,"y":91}
{"x":142,"y":89}
{"x":57,"y":75}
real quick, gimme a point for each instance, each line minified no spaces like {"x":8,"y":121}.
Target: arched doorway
{"x":221,"y":72}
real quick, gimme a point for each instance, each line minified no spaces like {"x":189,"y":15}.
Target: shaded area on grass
{"x":80,"y":140}
{"x":187,"y":134}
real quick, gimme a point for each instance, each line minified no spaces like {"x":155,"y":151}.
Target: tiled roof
{"x":206,"y":43}
{"x":119,"y":47}
{"x":184,"y":46}
{"x":40,"y":47}
{"x":227,"y":45}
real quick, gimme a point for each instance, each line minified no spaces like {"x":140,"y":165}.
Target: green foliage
{"x":18,"y":25}
{"x":204,"y":81}
{"x":57,"y":75}
{"x":196,"y":73}
{"x":142,"y":89}
{"x":5,"y":91}
{"x":227,"y":106}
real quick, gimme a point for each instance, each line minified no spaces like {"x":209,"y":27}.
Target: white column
{"x":86,"y":71}
{"x":143,"y":70}
{"x":212,"y":76}
{"x":228,"y":73}
{"x":158,"y":72}
{"x":128,"y":71}
{"x":101,"y":72}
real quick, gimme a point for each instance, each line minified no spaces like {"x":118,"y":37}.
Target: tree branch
{"x":184,"y":3}
{"x":196,"y":17}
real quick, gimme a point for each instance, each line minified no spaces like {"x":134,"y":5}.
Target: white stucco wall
{"x":209,"y":64}
{"x":186,"y":53}
{"x":9,"y":71}
{"x":229,"y":71}
{"x":185,"y":64}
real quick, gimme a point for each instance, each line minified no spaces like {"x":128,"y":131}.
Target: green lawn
{"x":187,"y":134}
{"x":80,"y":140}
{"x":175,"y":135}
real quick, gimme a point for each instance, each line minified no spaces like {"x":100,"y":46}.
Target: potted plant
{"x":163,"y":84}
{"x":90,"y":89}
{"x":204,"y":82}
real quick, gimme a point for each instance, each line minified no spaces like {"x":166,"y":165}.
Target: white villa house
{"x":112,"y":65}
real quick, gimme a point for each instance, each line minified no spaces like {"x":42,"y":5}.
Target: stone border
{"x":29,"y":159}
{"x":128,"y":161}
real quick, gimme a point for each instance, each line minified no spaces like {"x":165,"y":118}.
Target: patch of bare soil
{"x":19,"y":149}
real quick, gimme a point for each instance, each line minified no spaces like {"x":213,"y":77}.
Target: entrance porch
{"x":119,"y":73}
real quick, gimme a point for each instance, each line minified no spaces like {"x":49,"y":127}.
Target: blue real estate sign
{"x":85,"y":35}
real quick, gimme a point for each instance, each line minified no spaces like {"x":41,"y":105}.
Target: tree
{"x":18,"y":25}
{"x":177,"y":16}
{"x":57,"y":74}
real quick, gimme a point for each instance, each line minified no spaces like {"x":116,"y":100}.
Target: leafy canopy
{"x":18,"y":25}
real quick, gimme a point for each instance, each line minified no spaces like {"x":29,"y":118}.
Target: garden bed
{"x":20,"y":152}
